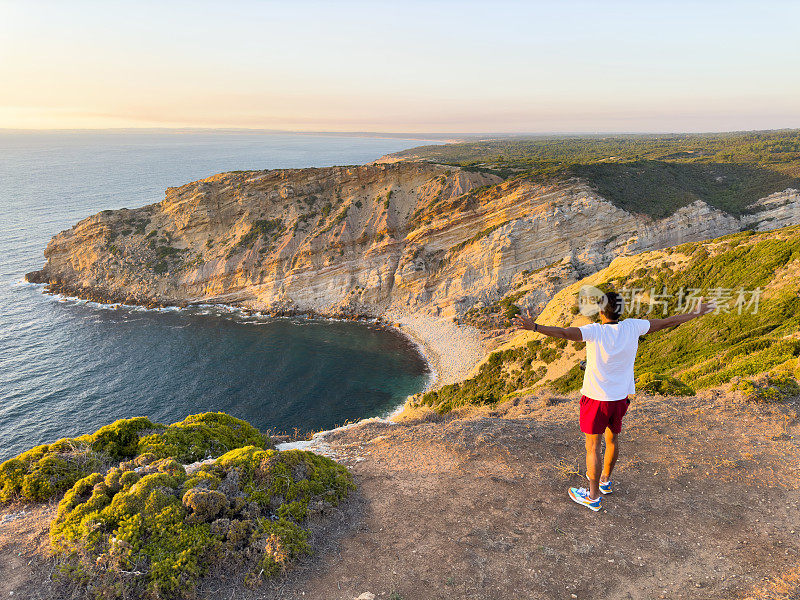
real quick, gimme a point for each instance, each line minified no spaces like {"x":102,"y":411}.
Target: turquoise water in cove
{"x":69,"y":367}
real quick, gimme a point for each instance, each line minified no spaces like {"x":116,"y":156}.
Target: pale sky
{"x":409,"y":66}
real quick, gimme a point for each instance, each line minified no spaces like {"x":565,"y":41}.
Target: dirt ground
{"x":26,"y":568}
{"x":706,"y":505}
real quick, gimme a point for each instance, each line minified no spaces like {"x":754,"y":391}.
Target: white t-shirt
{"x":610,"y":352}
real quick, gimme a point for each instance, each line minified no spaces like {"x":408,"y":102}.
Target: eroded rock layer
{"x":364,"y":239}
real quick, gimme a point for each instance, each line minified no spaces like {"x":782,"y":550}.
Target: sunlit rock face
{"x":363,"y":239}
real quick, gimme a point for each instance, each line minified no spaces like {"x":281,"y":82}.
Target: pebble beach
{"x":452,"y":350}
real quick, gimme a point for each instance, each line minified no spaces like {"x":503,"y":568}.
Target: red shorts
{"x":597,"y":415}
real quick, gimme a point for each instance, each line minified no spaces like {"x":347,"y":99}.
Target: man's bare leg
{"x":610,"y":459}
{"x":593,"y":462}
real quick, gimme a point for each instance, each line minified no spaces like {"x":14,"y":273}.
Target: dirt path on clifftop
{"x":705,"y":506}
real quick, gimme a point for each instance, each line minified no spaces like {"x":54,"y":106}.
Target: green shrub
{"x":768,"y":388}
{"x":285,"y":540}
{"x":508,"y":308}
{"x":47,"y":470}
{"x":263,"y":228}
{"x":495,"y":315}
{"x":534,"y":345}
{"x":662,"y":385}
{"x":202,"y":436}
{"x":155,"y":532}
{"x":570,"y":381}
{"x":166,"y":251}
{"x":548,"y":355}
{"x":120,"y":439}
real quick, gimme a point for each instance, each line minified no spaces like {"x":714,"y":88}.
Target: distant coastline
{"x":444,"y":138}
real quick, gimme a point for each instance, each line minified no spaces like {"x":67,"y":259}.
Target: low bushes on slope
{"x":149,"y":529}
{"x":713,"y":350}
{"x":494,"y":315}
{"x":45,"y":471}
{"x":49,"y":469}
{"x":769,"y":387}
{"x":503,"y":373}
{"x":659,"y":188}
{"x":658,"y":384}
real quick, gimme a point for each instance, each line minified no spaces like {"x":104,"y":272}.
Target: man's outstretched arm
{"x":528,"y":322}
{"x":675,"y":320}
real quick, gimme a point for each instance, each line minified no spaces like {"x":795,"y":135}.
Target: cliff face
{"x":365,"y":239}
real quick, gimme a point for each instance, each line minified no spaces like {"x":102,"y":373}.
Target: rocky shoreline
{"x":105,"y":296}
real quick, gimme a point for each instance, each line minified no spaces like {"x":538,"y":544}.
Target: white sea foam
{"x":21,"y":283}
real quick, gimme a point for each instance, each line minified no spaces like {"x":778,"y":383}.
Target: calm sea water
{"x":67,"y":368}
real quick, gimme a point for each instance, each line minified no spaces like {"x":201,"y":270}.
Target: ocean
{"x":68,"y":367}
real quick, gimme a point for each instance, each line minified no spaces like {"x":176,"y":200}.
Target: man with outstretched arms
{"x":611,"y":347}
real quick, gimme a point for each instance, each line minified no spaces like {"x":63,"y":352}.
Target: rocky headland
{"x":389,"y":240}
{"x":364,"y":240}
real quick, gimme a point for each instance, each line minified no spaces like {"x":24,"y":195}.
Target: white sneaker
{"x":581,"y":496}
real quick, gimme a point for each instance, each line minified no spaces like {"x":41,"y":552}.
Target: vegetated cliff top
{"x":755,"y":278}
{"x":649,"y":174}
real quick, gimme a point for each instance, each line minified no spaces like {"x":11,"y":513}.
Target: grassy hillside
{"x":649,"y":174}
{"x":752,"y":345}
{"x":659,"y":188}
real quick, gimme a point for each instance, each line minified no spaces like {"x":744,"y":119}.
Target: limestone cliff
{"x":364,"y":239}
